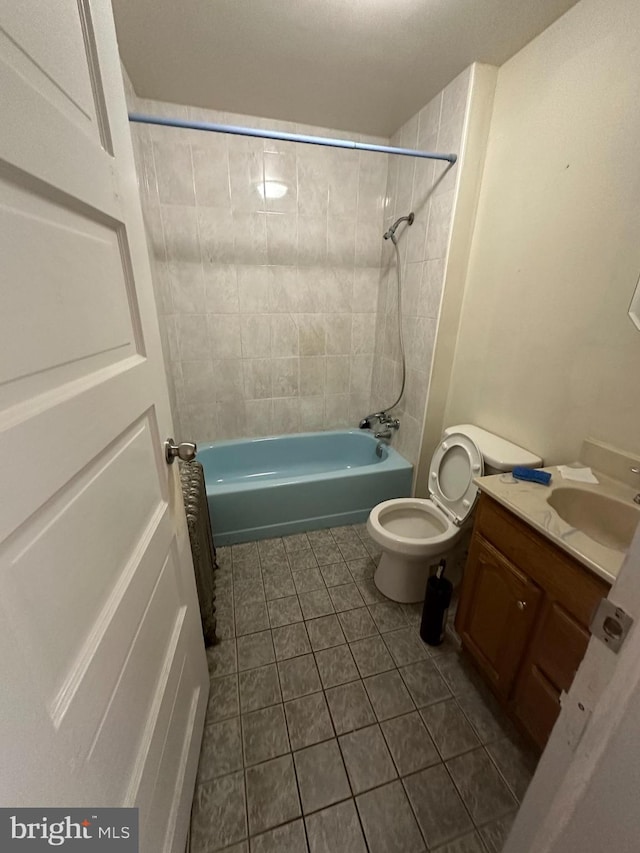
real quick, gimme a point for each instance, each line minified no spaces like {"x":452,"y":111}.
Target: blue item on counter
{"x":532,"y":475}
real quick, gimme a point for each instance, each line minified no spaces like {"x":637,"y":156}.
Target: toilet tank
{"x":498,"y":454}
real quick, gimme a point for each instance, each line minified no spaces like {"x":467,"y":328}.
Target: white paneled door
{"x":103,"y":679}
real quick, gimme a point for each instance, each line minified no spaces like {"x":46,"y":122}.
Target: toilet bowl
{"x":414,"y":534}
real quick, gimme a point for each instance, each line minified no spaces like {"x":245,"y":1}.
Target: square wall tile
{"x":255,"y":332}
{"x":224,"y":336}
{"x":253,"y":289}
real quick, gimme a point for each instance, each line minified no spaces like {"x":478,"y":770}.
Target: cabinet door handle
{"x":521,"y":605}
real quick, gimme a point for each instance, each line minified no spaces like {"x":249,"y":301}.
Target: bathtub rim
{"x":394,"y":461}
{"x":364,"y":433}
{"x":394,"y":465}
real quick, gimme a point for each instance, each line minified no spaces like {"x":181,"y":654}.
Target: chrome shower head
{"x":391,"y":233}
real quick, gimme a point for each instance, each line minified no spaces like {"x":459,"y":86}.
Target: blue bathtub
{"x":265,"y":487}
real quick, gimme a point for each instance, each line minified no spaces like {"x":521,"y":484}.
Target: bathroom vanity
{"x":524,"y":611}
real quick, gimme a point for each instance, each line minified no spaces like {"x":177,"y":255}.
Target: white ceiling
{"x":358,"y":65}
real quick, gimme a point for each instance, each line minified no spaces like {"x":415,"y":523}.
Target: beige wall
{"x":546,"y":353}
{"x":473,"y":150}
{"x":429,"y":189}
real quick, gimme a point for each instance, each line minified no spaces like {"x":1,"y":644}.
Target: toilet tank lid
{"x":497,"y":452}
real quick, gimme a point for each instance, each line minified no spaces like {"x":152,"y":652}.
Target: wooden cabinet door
{"x":496,"y":614}
{"x":555,"y":653}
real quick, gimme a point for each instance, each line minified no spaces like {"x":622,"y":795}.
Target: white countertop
{"x":529,"y":502}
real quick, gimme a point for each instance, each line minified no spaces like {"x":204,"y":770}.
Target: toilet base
{"x":402,"y":579}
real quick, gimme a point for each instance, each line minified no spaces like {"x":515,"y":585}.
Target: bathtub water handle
{"x":186,"y":451}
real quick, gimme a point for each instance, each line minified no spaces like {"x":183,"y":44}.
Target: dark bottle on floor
{"x":436,"y":607}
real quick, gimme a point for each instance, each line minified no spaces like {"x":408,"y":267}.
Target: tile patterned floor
{"x":331,"y":727}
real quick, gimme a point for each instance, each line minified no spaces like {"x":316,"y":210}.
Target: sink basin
{"x":609,"y":521}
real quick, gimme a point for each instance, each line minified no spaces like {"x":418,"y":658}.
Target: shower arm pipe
{"x":288,"y":137}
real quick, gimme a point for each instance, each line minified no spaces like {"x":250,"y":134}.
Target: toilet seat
{"x":454,"y":464}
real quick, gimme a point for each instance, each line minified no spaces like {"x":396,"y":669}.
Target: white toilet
{"x":415,"y":533}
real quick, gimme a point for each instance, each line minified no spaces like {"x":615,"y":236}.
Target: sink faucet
{"x":637,"y":497}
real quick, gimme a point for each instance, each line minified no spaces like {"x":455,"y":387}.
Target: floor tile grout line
{"x":314,"y":652}
{"x":360,"y":677}
{"x":455,"y":695}
{"x":293,"y":761}
{"x":488,"y":754}
{"x":413,"y":811}
{"x":476,"y":730}
{"x":458,"y":754}
{"x":353,"y":795}
{"x":401,"y":778}
{"x":460,"y":797}
{"x":502,"y":775}
{"x":323,"y":690}
{"x":478,"y":826}
{"x":475,"y":825}
{"x":336,"y":738}
{"x":393,"y":758}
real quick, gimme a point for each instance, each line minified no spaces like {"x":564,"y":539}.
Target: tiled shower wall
{"x":267,"y":304}
{"x":280,"y":315}
{"x":428,"y":188}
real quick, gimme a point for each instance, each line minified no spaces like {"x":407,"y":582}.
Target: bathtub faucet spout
{"x":384,"y":434}
{"x":390,"y":424}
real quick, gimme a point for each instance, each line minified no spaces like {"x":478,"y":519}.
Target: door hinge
{"x":611,"y":624}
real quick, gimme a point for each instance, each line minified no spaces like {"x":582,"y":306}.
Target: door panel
{"x":551,"y":662}
{"x":85,"y":309}
{"x":559,"y":645}
{"x":103,"y":667}
{"x":44,"y":60}
{"x":145,"y":670}
{"x":78,"y":526}
{"x":536,"y":703}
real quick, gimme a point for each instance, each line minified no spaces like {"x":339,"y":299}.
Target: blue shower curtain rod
{"x":288,"y":137}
